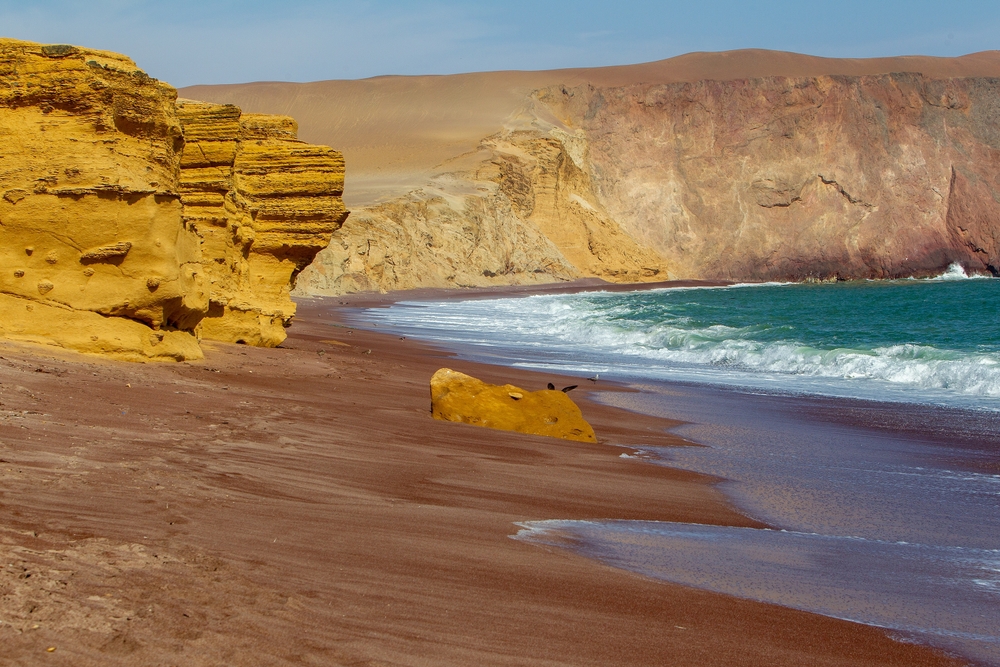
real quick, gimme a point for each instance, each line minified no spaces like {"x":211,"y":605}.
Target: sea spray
{"x":957,"y":272}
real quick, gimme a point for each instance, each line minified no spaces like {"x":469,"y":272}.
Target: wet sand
{"x":298,"y":506}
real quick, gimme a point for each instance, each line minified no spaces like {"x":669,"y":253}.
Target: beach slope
{"x":299,"y":506}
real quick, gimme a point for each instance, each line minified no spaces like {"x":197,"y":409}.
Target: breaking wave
{"x":910,"y":337}
{"x":957,"y":272}
{"x":731,"y":348}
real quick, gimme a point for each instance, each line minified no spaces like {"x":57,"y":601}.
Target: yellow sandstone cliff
{"x":263,"y":204}
{"x":108,"y":242}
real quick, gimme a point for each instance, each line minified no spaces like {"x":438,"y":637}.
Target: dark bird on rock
{"x":570,"y":388}
{"x":551,"y":386}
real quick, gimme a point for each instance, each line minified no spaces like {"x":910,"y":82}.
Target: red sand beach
{"x":299,"y":506}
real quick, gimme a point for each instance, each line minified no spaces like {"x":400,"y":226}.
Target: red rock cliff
{"x":791,"y":178}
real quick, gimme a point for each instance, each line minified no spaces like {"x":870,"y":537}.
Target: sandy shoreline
{"x":373,"y":299}
{"x":299,"y":506}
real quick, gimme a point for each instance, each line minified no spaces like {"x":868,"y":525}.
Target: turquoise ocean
{"x":925,"y":341}
{"x":860,"y":420}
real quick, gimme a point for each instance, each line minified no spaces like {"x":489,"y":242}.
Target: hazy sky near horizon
{"x":187,"y":42}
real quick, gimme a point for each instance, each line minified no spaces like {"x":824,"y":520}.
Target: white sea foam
{"x":590,"y":331}
{"x":957,"y":272}
{"x":729,"y":348}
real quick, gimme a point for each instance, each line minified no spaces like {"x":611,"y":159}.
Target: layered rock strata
{"x":98,"y":249}
{"x":263,"y":204}
{"x":458,"y":397}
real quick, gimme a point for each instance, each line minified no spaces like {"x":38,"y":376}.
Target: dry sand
{"x":395,"y":130}
{"x":298,"y":506}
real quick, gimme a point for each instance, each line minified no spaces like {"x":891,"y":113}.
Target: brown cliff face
{"x":98,"y":252}
{"x":747,"y":165}
{"x":766,"y":179}
{"x":788,"y":179}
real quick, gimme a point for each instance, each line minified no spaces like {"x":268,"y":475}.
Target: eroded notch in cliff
{"x":972,"y":211}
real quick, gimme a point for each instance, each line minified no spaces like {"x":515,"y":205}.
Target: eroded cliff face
{"x":712,"y":169}
{"x":519,"y":210}
{"x":97,"y":251}
{"x":778,"y":178}
{"x":93,"y":252}
{"x":796,"y":178}
{"x":263,"y":204}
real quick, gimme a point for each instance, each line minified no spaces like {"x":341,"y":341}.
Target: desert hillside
{"x":520,"y":177}
{"x":393,"y":130}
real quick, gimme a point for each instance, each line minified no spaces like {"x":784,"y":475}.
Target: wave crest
{"x":919,"y":366}
{"x":787,"y":342}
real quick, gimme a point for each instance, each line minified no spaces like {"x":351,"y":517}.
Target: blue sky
{"x":187,"y":42}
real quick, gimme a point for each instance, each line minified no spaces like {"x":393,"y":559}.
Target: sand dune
{"x":393,"y":130}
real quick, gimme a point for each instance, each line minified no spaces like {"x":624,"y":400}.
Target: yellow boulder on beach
{"x":458,"y":397}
